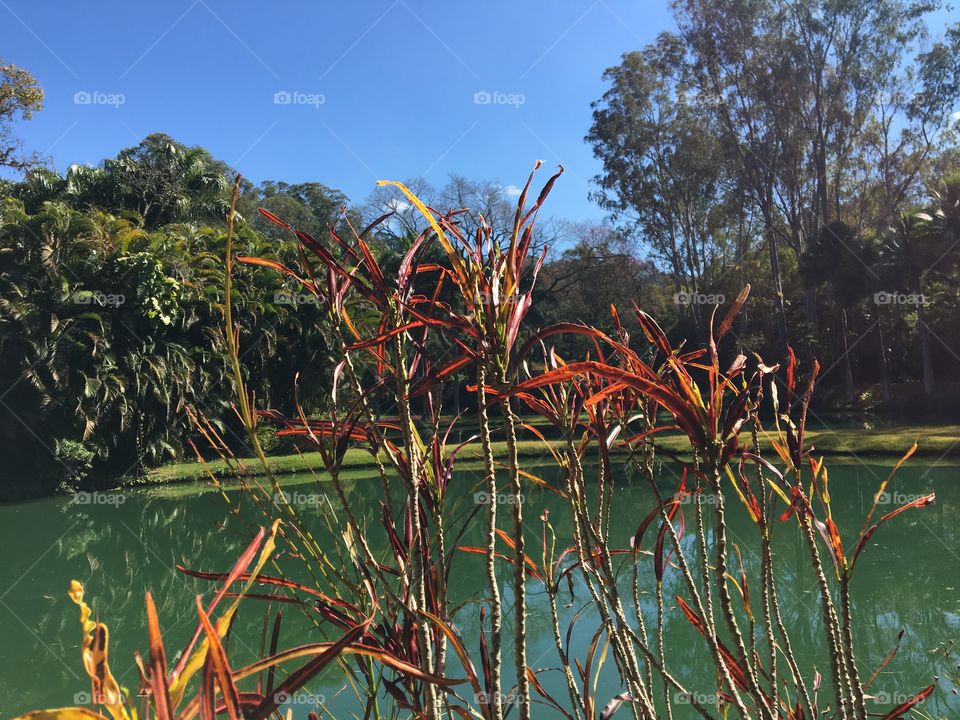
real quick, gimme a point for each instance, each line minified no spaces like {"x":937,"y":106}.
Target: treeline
{"x":111,"y":304}
{"x":111,"y":282}
{"x":809,"y":148}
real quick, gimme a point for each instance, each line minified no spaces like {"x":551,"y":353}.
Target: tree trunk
{"x":782,"y":337}
{"x":823,"y":200}
{"x":928,"y":381}
{"x":847,"y":368}
{"x":810,"y":307}
{"x":884,"y":368}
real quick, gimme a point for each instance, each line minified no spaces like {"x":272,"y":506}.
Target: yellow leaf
{"x":67,"y":713}
{"x":452,"y":254}
{"x":349,"y":323}
{"x":95,"y":650}
{"x":743,"y":498}
{"x":776,"y":488}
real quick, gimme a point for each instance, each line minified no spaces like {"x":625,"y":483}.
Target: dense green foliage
{"x":111,"y":308}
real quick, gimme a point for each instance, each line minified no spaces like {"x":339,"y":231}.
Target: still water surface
{"x":908,"y":579}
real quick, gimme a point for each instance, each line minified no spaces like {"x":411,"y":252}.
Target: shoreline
{"x":939,"y":443}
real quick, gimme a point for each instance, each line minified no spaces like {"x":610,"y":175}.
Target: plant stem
{"x":519,"y":568}
{"x":496,"y":611}
{"x":723,"y":592}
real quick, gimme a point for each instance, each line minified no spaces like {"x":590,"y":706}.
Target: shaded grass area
{"x":935,"y":442}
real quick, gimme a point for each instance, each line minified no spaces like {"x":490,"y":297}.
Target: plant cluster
{"x":392,"y":626}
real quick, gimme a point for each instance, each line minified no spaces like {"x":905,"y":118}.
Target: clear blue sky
{"x":397,"y":80}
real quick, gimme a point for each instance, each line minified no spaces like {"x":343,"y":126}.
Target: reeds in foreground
{"x":388,"y":622}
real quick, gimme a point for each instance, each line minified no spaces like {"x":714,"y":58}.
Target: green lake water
{"x":120,"y":546}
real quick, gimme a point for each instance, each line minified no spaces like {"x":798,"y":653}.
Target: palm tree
{"x":159,"y":179}
{"x":840,"y":258}
{"x":49,"y":340}
{"x":946,"y":213}
{"x":911,"y":251}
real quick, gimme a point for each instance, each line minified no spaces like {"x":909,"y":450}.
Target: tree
{"x":311,"y":207}
{"x":912,"y":122}
{"x":764,"y":123}
{"x":843,"y":260}
{"x":492,"y":201}
{"x":109,"y":332}
{"x":663,"y":175}
{"x":910,"y":254}
{"x":159,"y":179}
{"x":20,"y":97}
{"x":600,"y":270}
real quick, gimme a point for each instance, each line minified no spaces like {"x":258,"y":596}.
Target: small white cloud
{"x":398,"y":205}
{"x":955,"y":117}
{"x":510,"y":190}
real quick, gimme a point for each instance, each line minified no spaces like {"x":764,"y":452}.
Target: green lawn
{"x":935,"y":442}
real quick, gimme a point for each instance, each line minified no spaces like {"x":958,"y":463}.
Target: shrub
{"x":74,"y":463}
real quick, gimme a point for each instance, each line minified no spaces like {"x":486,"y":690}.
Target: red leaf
{"x":158,"y":665}
{"x":273,"y":218}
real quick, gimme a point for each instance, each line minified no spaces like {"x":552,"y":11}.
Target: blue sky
{"x":379,"y":89}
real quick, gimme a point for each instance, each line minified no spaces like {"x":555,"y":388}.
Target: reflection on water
{"x":909,"y":579}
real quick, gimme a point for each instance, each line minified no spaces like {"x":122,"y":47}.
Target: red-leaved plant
{"x":391,"y":619}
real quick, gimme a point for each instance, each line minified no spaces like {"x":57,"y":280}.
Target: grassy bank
{"x":935,"y":442}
